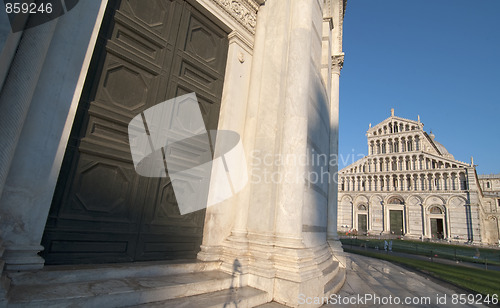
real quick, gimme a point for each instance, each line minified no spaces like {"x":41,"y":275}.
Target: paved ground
{"x":383,"y":279}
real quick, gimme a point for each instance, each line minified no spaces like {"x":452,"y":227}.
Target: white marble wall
{"x":459,"y":220}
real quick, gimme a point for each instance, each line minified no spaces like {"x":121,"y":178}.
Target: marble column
{"x":47,"y":74}
{"x":19,"y":87}
{"x":336,"y":66}
{"x":15,"y":100}
{"x":228,"y":220}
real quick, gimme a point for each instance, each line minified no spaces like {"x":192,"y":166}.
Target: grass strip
{"x":446,"y":251}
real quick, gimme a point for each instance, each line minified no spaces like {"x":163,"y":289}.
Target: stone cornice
{"x":243,"y":11}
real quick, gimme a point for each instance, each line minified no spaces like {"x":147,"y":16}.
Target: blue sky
{"x":437,"y":59}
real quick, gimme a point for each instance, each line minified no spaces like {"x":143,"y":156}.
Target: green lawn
{"x":476,"y":280}
{"x":445,"y":251}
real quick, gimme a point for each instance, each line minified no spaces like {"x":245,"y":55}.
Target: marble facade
{"x":410,"y":185}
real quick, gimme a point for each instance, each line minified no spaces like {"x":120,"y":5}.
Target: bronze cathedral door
{"x":148,"y":51}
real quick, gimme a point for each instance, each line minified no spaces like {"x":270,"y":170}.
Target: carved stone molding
{"x":243,"y":11}
{"x":337,"y":62}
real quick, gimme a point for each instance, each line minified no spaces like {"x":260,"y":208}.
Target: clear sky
{"x":437,"y":59}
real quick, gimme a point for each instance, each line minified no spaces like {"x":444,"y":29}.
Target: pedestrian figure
{"x":390,"y":245}
{"x":385,"y":245}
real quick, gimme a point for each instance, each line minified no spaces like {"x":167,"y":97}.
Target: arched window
{"x":396,"y":200}
{"x":488,"y":185}
{"x":361,"y":207}
{"x":463,"y":181}
{"x":435,"y":210}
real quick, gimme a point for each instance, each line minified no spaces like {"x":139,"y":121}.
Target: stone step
{"x":336,"y":283}
{"x":242,"y":298}
{"x":118,"y":292}
{"x":54,"y":274}
{"x":331,"y":271}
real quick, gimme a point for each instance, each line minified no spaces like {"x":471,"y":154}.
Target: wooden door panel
{"x":198,"y":66}
{"x":148,"y":51}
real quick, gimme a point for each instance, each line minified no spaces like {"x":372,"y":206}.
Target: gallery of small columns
{"x":397,"y":174}
{"x":399,"y":144}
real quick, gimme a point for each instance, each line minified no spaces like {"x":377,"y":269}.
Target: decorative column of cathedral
{"x":37,"y":106}
{"x":18,"y":90}
{"x":287,"y":233}
{"x":15,"y":99}
{"x":337,"y":10}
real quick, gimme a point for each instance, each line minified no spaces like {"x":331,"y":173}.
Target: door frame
{"x":238,"y":38}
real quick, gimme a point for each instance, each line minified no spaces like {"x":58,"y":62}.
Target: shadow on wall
{"x":318,"y":144}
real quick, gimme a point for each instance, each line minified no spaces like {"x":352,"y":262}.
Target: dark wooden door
{"x":362,"y":223}
{"x":437,"y":228}
{"x":396,"y":218}
{"x":148,"y":51}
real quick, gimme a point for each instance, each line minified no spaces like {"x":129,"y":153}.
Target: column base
{"x":284,"y":267}
{"x":338,"y":252}
{"x":23,"y":258}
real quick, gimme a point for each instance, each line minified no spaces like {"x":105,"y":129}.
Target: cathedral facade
{"x":410,"y":185}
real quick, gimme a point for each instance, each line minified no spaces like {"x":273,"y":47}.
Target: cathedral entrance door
{"x":362,"y":224}
{"x":396,"y":222}
{"x":147,"y":52}
{"x":437,"y":228}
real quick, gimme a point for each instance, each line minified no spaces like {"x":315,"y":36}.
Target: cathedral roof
{"x":441,"y":148}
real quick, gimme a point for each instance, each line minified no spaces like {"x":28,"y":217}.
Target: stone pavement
{"x":383,"y":279}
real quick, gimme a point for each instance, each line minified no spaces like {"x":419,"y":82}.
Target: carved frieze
{"x":243,"y":11}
